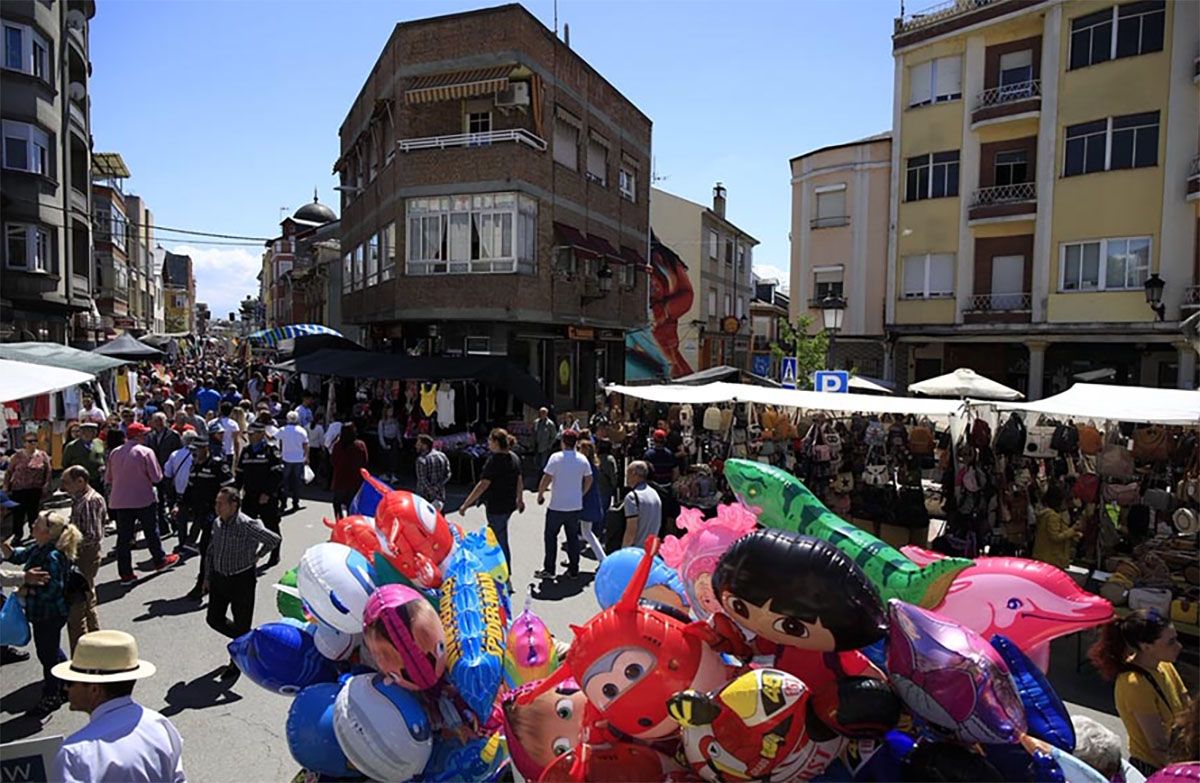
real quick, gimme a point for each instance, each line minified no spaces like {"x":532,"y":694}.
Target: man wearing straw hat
{"x":123,"y":740}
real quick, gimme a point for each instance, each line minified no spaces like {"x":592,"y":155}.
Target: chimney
{"x":567,"y":34}
{"x":719,"y":200}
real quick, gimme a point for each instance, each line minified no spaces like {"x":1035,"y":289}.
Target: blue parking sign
{"x":837,"y":381}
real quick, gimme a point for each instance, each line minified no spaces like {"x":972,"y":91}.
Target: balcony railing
{"x":1005,"y":194}
{"x":518,"y":135}
{"x":1009,"y":93}
{"x":1191,"y":296}
{"x":831,"y":221}
{"x":998,"y":303}
{"x":940,"y":12}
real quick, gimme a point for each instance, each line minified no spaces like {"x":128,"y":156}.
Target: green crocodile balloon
{"x":783,"y":502}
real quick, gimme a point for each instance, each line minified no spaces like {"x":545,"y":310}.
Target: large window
{"x":388,"y":253}
{"x":485,"y":233}
{"x":935,"y":81}
{"x":1012,"y":168}
{"x":712,"y":303}
{"x":931,"y":176}
{"x":627,"y":180}
{"x":26,"y":51}
{"x":1105,"y":264}
{"x":347,"y":273}
{"x":27,"y":247}
{"x":1124,"y":30}
{"x":566,"y":140}
{"x":831,"y":207}
{"x":713,"y":242}
{"x":373,"y":260}
{"x":26,"y":148}
{"x":359,"y":276}
{"x":119,"y":226}
{"x":827,"y":282}
{"x":1127,"y":142}
{"x":928,"y":276}
{"x":597,"y":160}
{"x":1016,"y":71}
{"x":479,"y":122}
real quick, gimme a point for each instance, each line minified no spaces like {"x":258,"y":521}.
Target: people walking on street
{"x":88,"y":514}
{"x":433,"y":472}
{"x":306,"y":410}
{"x":197,"y":420}
{"x":27,"y":482}
{"x":259,"y":475}
{"x":231,"y":433}
{"x":87,"y":451}
{"x":317,"y":454}
{"x":348,"y":458}
{"x":592,"y":517}
{"x":132,"y":473}
{"x":16,"y":578}
{"x":545,"y":433}
{"x":499,"y":489}
{"x":568,"y":476}
{"x":238,"y":543}
{"x":122,"y":740}
{"x":206,"y":476}
{"x":389,"y":444}
{"x":55,"y":544}
{"x":164,"y":442}
{"x":176,"y":471}
{"x":293,"y":446}
{"x":642,"y":506}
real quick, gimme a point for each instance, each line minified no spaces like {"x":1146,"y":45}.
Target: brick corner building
{"x":495,"y":201}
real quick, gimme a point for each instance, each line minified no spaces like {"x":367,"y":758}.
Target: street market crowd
{"x":198,"y":460}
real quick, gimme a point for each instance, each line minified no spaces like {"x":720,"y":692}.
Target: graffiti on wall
{"x":653,"y":352}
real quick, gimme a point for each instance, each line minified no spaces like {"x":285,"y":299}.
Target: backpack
{"x":897,"y":437}
{"x":1010,"y":439}
{"x":920,"y":440}
{"x":981,"y":434}
{"x":1091,"y":442}
{"x":1065,"y":439}
{"x":875,"y":434}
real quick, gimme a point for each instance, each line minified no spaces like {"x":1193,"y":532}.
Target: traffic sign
{"x":837,"y":381}
{"x":787,"y":372}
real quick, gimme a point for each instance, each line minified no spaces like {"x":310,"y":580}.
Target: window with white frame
{"x":713,"y":244}
{"x":1126,"y":142}
{"x":597,"y":160}
{"x":1016,"y":72}
{"x":372,"y":260}
{"x":729,"y":244}
{"x":479,"y":122}
{"x":26,"y":148}
{"x":347,"y":273}
{"x":26,"y":51}
{"x":712,"y":303}
{"x":741,"y":307}
{"x":387,"y":253}
{"x":1120,"y":264}
{"x":566,"y":139}
{"x":119,"y":227}
{"x":359,"y":277}
{"x":931,"y":176}
{"x":827,"y":282}
{"x":928,"y":276}
{"x":728,"y":305}
{"x":831,"y":206}
{"x":935,"y":81}
{"x":1012,"y":167}
{"x":27,"y":247}
{"x":627,"y":181}
{"x":1124,"y":30}
{"x":479,"y":234}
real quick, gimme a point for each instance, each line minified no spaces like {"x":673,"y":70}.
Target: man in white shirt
{"x":293,"y":444}
{"x":231,"y":443}
{"x":568,"y":475}
{"x":123,"y":740}
{"x":91,"y":413}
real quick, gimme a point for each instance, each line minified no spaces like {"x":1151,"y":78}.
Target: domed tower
{"x":315,"y":212}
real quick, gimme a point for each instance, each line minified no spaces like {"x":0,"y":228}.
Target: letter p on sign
{"x":837,"y":381}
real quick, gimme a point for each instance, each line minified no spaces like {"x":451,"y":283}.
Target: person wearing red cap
{"x":132,"y":474}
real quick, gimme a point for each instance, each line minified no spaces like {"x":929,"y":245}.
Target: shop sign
{"x":581,"y":333}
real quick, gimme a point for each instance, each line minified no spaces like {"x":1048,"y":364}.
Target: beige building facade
{"x":839,"y":245}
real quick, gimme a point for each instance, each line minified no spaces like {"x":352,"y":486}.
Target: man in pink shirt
{"x":133,"y":471}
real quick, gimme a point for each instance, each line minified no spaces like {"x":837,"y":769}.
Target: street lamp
{"x":832,"y":310}
{"x":1154,"y":292}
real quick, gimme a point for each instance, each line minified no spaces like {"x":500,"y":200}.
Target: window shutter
{"x":1008,"y":274}
{"x":949,"y":76}
{"x":1021,"y":59}
{"x":941,"y":274}
{"x":919,"y":81}
{"x":831,"y":204}
{"x":914,"y":276}
{"x":828,"y":275}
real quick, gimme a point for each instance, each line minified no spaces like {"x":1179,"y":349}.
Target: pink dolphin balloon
{"x":1028,"y":601}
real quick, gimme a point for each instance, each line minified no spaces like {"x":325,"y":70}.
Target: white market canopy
{"x":19,"y":380}
{"x":1100,"y":401}
{"x":789,"y":398}
{"x":964,"y":383}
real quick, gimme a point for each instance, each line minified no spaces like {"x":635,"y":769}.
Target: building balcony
{"x":1003,"y":203}
{"x":998,"y":308}
{"x":77,"y":114}
{"x":950,"y":15}
{"x":1191,"y":298}
{"x":515,"y":135}
{"x":1193,"y":181}
{"x":1007,"y":102}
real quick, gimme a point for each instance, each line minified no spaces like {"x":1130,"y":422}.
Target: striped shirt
{"x":88,"y":513}
{"x":237,"y":544}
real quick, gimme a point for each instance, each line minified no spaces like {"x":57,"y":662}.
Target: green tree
{"x":809,"y":349}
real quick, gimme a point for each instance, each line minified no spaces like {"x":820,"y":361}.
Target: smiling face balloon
{"x":695,"y":555}
{"x":335,"y":583}
{"x":405,"y":637}
{"x":418,"y":537}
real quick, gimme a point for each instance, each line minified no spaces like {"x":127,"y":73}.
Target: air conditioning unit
{"x":517,"y":94}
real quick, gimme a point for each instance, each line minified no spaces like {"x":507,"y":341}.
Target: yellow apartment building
{"x":839,"y":246}
{"x":1043,"y":168}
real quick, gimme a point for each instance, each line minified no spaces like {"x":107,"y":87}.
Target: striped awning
{"x":272,"y":337}
{"x":460,"y":84}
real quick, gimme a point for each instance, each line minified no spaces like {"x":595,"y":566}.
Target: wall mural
{"x":653,"y":353}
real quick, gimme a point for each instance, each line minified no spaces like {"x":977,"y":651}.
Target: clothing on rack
{"x":445,"y":405}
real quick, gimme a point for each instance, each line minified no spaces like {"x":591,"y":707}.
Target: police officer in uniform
{"x":260,"y":477}
{"x":207,"y":476}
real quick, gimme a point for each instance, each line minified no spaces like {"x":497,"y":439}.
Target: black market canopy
{"x":129,"y":348}
{"x":496,"y":371}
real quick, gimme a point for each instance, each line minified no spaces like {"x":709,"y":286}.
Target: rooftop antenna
{"x":555,"y":18}
{"x":282,"y":211}
{"x":654,"y":175}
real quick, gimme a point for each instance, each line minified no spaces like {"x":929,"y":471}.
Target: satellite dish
{"x":75,"y":19}
{"x":77,"y":91}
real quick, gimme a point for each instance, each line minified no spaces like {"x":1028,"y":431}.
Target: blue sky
{"x":227,"y":111}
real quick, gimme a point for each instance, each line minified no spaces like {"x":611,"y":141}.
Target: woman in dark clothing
{"x":349,"y":457}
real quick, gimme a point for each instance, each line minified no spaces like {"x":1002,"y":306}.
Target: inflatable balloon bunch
{"x":392,"y":645}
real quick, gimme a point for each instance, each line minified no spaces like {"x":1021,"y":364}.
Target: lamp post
{"x":832,"y":309}
{"x":1154,"y":291}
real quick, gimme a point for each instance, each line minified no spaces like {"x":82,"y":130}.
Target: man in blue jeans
{"x":568,"y":476}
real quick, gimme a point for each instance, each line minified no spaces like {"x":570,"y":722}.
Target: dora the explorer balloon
{"x":809,"y":606}
{"x":541,"y":730}
{"x":631,"y":658}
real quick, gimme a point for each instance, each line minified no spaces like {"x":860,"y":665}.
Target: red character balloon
{"x":357,"y":532}
{"x":631,"y":658}
{"x":416,"y":537}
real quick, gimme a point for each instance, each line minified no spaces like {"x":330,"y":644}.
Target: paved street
{"x":237,"y":733}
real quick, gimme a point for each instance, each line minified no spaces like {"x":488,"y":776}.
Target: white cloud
{"x":768,"y":272}
{"x":224,"y":275}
